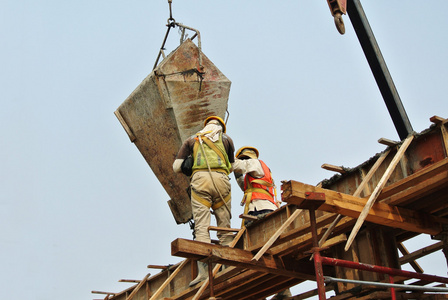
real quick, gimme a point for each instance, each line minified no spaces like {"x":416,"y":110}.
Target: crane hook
{"x":337,"y":8}
{"x":339,"y":22}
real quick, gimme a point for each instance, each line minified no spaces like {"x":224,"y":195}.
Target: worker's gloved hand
{"x":177,"y":165}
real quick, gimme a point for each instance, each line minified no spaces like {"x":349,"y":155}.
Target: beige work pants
{"x":202,"y":185}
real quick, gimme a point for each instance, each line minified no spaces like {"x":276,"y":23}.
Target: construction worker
{"x":212,"y":151}
{"x":255,"y":179}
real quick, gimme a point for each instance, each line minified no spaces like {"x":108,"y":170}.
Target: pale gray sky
{"x":80,"y":208}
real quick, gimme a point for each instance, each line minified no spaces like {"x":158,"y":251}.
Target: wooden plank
{"x":311,"y":293}
{"x":234,"y":289}
{"x":357,"y":193}
{"x":329,"y":230}
{"x":248,"y":217}
{"x":269,"y":286}
{"x":104,"y":293}
{"x":238,"y":284}
{"x":371,"y":172}
{"x":445,"y":138}
{"x":413,"y":180}
{"x":334,"y":241}
{"x":437,"y":120}
{"x":223,"y":276}
{"x":413,"y":263}
{"x":366,"y":189}
{"x":277,"y":234}
{"x":348,"y":205}
{"x":299,"y":231}
{"x":304,"y":242}
{"x":218,"y":266}
{"x":375,"y":295}
{"x":377,"y":190}
{"x":333,"y":168}
{"x":442,"y":122}
{"x":387,"y":142}
{"x":157,"y":267}
{"x":420,"y":253}
{"x":169,"y":279}
{"x":138,"y":287}
{"x":214,"y":228}
{"x":233,"y":256}
{"x":418,"y":191}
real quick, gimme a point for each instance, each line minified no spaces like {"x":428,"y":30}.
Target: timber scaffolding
{"x":401,"y":193}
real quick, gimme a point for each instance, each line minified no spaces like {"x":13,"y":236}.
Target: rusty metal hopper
{"x":170,"y":105}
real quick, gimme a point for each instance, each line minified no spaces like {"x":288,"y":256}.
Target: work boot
{"x":202,"y":274}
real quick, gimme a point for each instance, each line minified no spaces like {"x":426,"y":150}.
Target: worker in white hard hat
{"x":212,"y":153}
{"x":255,"y":179}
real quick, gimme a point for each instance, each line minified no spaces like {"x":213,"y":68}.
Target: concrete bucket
{"x":170,"y":105}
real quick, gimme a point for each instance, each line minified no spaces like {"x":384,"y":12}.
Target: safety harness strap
{"x":214,"y":148}
{"x":258,"y":190}
{"x":213,"y":170}
{"x":262,"y":182}
{"x":215,"y":206}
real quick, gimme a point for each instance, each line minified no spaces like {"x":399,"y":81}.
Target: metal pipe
{"x":317,"y":258}
{"x":382,"y":270}
{"x":379,"y":68}
{"x":389,"y":285}
{"x":392,"y":290}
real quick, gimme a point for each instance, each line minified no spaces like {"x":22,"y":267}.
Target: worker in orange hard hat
{"x":255,"y":179}
{"x":211,"y":151}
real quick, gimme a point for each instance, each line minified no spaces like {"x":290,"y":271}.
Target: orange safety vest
{"x":259,"y":188}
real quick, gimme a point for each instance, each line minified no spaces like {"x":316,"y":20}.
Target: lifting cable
{"x":171,"y":23}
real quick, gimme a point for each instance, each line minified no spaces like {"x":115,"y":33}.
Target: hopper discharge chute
{"x":170,"y":105}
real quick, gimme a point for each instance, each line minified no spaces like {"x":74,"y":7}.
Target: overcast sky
{"x":80,"y":208}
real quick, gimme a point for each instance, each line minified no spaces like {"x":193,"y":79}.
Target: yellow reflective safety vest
{"x":211,"y":155}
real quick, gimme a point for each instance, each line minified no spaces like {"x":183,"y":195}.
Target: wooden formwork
{"x":274,"y":252}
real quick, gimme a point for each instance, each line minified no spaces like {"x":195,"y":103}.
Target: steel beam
{"x":379,"y":68}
